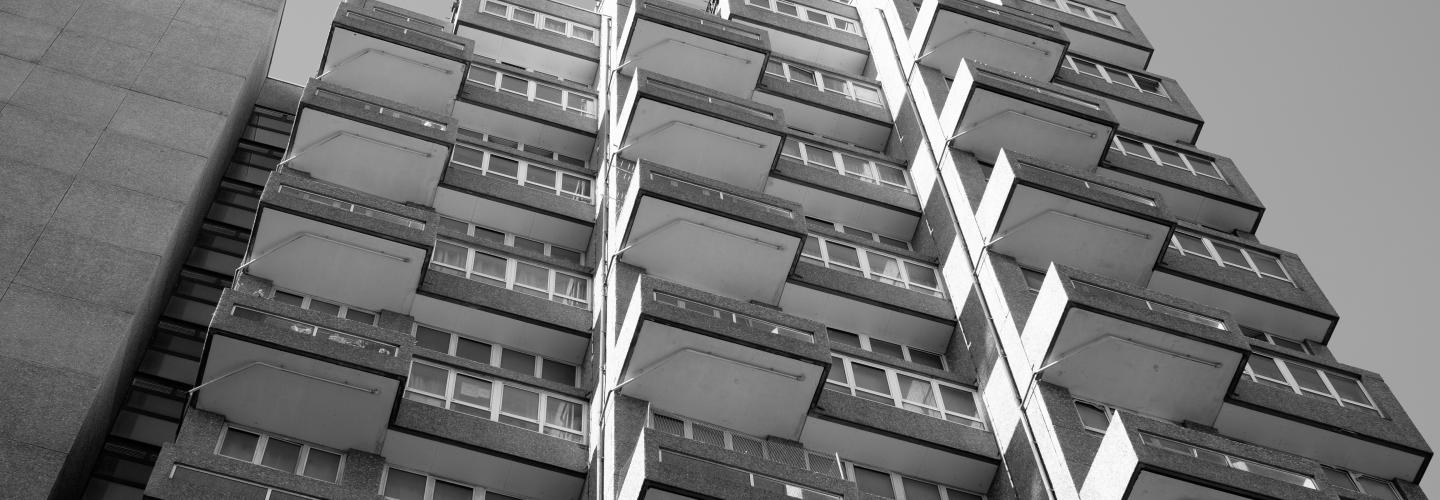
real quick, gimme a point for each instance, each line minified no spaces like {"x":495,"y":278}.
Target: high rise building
{"x":663,"y":249}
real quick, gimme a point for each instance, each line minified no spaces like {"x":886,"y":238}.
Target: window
{"x":710,"y":469}
{"x":1361,"y":483}
{"x":399,"y":484}
{"x":505,"y":81}
{"x":1165,"y":157}
{"x":1147,"y":84}
{"x":829,"y":82}
{"x":499,"y":400}
{"x":1081,"y":10}
{"x":904,"y":390}
{"x":1215,"y":457}
{"x":283,"y":454}
{"x":872,"y":344}
{"x":1273,"y":339}
{"x":731,"y":316}
{"x":1306,"y":380}
{"x":827,"y":464}
{"x":809,"y":15}
{"x":512,"y":240}
{"x":511,"y":274}
{"x":524,"y":173}
{"x":888,"y":484}
{"x":870,"y":264}
{"x":540,"y":20}
{"x":483,"y":139}
{"x":875,"y":237}
{"x":351,"y":207}
{"x":461,"y":346}
{"x":1230,"y":255}
{"x":1094,"y":417}
{"x":849,"y":165}
{"x":331,"y":308}
{"x":1033,"y":279}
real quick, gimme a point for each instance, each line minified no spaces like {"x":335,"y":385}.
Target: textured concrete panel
{"x":143,"y":166}
{"x":69,"y":96}
{"x":229,"y":15}
{"x":23,"y":38}
{"x":54,"y":330}
{"x":139,"y":29}
{"x":12,"y":73}
{"x":209,"y":47}
{"x":188,"y":84}
{"x":17,"y":237}
{"x":87,"y":269}
{"x":119,"y":216}
{"x":168,"y":123}
{"x":26,"y":471}
{"x":30,"y":192}
{"x":46,"y":11}
{"x":94,"y":57}
{"x":157,"y":8}
{"x":41,"y":405}
{"x":30,"y":137}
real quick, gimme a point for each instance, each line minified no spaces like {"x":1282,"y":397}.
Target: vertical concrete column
{"x":116,"y":119}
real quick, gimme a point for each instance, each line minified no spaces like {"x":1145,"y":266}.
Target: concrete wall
{"x":115,"y":119}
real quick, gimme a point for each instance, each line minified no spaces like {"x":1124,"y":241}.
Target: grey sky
{"x":1324,"y":105}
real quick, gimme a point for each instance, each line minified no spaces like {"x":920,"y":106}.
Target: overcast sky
{"x":1324,"y":105}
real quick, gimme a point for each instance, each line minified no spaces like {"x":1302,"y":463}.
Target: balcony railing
{"x":1129,"y":195}
{"x":404,"y":18}
{"x":353,"y":208}
{"x":534,"y":91}
{"x":381,"y":109}
{"x":721,"y":195}
{"x":703,"y":22}
{"x":310,"y":330}
{"x":1196,"y":318}
{"x":1218,"y":458}
{"x":713,"y":100}
{"x":749,"y":322}
{"x":822,"y":463}
{"x":496,"y":399}
{"x":240,"y":488}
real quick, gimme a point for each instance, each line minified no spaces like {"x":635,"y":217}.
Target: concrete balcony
{"x":313,"y":237}
{"x":846,"y":185}
{"x":699,"y":131}
{"x":370,"y":144}
{"x":1264,"y":288}
{"x":948,"y":31}
{"x":1139,"y":100}
{"x":1154,"y":460}
{"x":1122,"y":345}
{"x":735,"y":364}
{"x":686,"y":44}
{"x":1100,"y":28}
{"x":1038,"y":213}
{"x":543,"y":35}
{"x":823,"y":32}
{"x":301,"y":373}
{"x":383,"y":50}
{"x":705,"y":234}
{"x":1196,"y":185}
{"x":1337,"y":414}
{"x":845,"y":107}
{"x":522,"y":100}
{"x":988,"y":109}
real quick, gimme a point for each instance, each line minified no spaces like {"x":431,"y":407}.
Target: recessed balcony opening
{"x":307,"y":398}
{"x":1107,"y":49}
{"x":1038,"y":216}
{"x":477,"y":468}
{"x":553,"y":343}
{"x":829,"y":122}
{"x":317,"y":258}
{"x":856,"y":315}
{"x":365,"y":157}
{"x":680,"y":42}
{"x":808,"y":48}
{"x":1014,"y":42}
{"x":987,"y":111}
{"x":894,"y":225}
{"x":1207,"y":210}
{"x":912,"y":459}
{"x":513,"y":219}
{"x":1267,"y":427}
{"x":490,"y":45}
{"x":1248,"y":309}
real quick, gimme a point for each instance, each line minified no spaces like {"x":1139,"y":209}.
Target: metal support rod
{"x":677,"y":353}
{"x":978,"y":124}
{"x":1142,"y":345}
{"x":286,"y":370}
{"x":303,"y":234}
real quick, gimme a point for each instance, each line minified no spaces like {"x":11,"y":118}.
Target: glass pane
{"x":566,"y":254}
{"x":887,"y":348}
{"x":817,"y":17}
{"x":1148,"y":84}
{"x":427,"y":378}
{"x":917,"y":390}
{"x":489,"y":235}
{"x":322,"y":465}
{"x":874,"y":482}
{"x":472,"y":350}
{"x":1377,"y":488}
{"x":926,"y":358}
{"x":450,"y":254}
{"x":1339,"y":479}
{"x":1170,"y":158}
{"x":524,"y":16}
{"x":558,"y":372}
{"x":792,"y":148}
{"x":521,"y":402}
{"x":563,"y":414}
{"x":1120,"y":77}
{"x":787,"y":8}
{"x":837,"y":370}
{"x":549,"y":94}
{"x":582,"y":33}
{"x":532,"y":276}
{"x":954,"y":494}
{"x":820,"y":156}
{"x":1348,"y":388}
{"x":1268,"y":264}
{"x":812,"y":246}
{"x":490,"y":265}
{"x":866,"y":94}
{"x":1204,"y":167}
{"x":843,"y":254}
{"x":495,"y":8}
{"x":1192,"y":244}
{"x":554,"y":25}
{"x":1134,"y":147}
{"x":1288,"y":344}
{"x":868,"y":377}
{"x":324,"y":307}
{"x":855,"y":166}
{"x":282,"y":455}
{"x":919,"y":490}
{"x":921,"y":275}
{"x":884,"y":266}
{"x":1265,"y":367}
{"x":1231,"y":255}
{"x":774,"y":67}
{"x":239,"y":444}
{"x":503,"y":166}
{"x":514,"y":84}
{"x":473,"y":391}
{"x":289,"y":298}
{"x":483,"y":76}
{"x":518,"y":361}
{"x":959,"y":401}
{"x":1092,"y":417}
{"x":542,"y":176}
{"x":451,"y":491}
{"x":801,"y":75}
{"x":892,"y":175}
{"x":361,"y":316}
{"x":1088,"y":68}
{"x":833,"y":84}
{"x":402,"y":485}
{"x":843,"y":337}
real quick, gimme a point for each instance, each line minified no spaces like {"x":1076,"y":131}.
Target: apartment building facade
{"x":665,"y":249}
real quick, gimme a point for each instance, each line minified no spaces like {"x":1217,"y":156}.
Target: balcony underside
{"x":692,"y":57}
{"x":833,"y":206}
{"x":855,"y":315}
{"x":989,"y":121}
{"x":1248,"y":310}
{"x":1324,"y":445}
{"x":367,"y":158}
{"x":1209,"y":211}
{"x":1037,"y":227}
{"x":1152,"y":486}
{"x":804,"y":48}
{"x":378,"y":67}
{"x":316,"y":258}
{"x":827,"y":122}
{"x":954,"y":37}
{"x":538,"y":57}
{"x":699,"y":143}
{"x":513,"y":219}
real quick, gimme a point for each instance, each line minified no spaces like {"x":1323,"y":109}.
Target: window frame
{"x":1153,"y":154}
{"x":1233,"y":462}
{"x":1094,"y":13}
{"x":508,"y":239}
{"x":523,"y":173}
{"x":874,"y":236}
{"x":804,"y":13}
{"x":1213,"y":254}
{"x":1110,"y":74}
{"x":837,"y":164}
{"x":1355,"y":481}
{"x":497,"y":401}
{"x":497,"y":354}
{"x":512,"y":271}
{"x":307,"y":299}
{"x":897,"y":483}
{"x":865,"y":268}
{"x":302,"y":459}
{"x":1107,"y":410}
{"x":476,"y":492}
{"x":497,"y":84}
{"x":1269,"y":338}
{"x":540,"y":19}
{"x":848,"y":85}
{"x":897,"y":397}
{"x":905,"y":349}
{"x":486,"y":140}
{"x":1293,"y":383}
